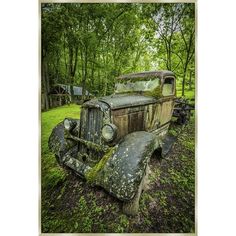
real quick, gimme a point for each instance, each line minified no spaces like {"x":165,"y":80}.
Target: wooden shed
{"x":60,"y":94}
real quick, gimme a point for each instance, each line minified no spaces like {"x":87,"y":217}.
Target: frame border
{"x":196,"y":115}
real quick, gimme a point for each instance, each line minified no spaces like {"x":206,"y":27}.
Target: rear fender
{"x":123,"y":172}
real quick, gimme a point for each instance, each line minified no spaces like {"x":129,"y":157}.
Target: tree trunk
{"x":184,"y":77}
{"x":45,"y":84}
{"x":183,"y":84}
{"x":73,"y":58}
{"x":99,"y":82}
{"x":70,"y":69}
{"x":64,"y":52}
{"x":190,"y":80}
{"x":93,"y":70}
{"x":85,"y":73}
{"x":106,"y":84}
{"x":71,"y":92}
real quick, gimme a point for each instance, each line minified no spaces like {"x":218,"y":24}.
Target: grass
{"x":70,"y":205}
{"x":52,"y":174}
{"x":190,"y":94}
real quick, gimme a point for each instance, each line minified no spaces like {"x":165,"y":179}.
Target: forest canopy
{"x":89,"y":45}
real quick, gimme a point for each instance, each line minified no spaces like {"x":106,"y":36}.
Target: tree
{"x":91,"y":44}
{"x":175,"y":34}
{"x":51,"y":37}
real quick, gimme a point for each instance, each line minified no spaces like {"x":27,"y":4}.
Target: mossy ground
{"x":70,"y":205}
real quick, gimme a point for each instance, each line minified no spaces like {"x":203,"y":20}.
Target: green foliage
{"x":122,"y":225}
{"x":54,"y":177}
{"x":154,"y":93}
{"x":190,"y":94}
{"x":189,"y":144}
{"x":91,"y":44}
{"x":84,"y":223}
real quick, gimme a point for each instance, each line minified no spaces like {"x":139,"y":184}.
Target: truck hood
{"x":117,"y":101}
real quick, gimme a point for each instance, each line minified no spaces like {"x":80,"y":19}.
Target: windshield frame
{"x":136,"y":86}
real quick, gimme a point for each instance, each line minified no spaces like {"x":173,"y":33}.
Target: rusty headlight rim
{"x":109,"y":128}
{"x":69,"y":124}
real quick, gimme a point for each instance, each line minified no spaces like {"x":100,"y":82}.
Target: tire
{"x":131,"y":207}
{"x":184,"y":118}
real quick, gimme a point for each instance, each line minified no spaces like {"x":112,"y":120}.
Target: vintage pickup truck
{"x":112,"y":143}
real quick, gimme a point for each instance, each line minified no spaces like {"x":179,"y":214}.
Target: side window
{"x":168,"y":87}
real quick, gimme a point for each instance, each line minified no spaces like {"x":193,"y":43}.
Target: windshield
{"x":136,"y":86}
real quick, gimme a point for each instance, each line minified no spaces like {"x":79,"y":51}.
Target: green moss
{"x":93,"y":146}
{"x":189,"y":144}
{"x":122,"y":225}
{"x":134,"y":79}
{"x":173,"y":132}
{"x":55,"y":176}
{"x":92,"y":174}
{"x":156,"y":93}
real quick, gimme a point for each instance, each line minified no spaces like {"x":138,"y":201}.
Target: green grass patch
{"x":52,"y":174}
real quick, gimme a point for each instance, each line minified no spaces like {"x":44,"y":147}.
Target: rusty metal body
{"x":138,"y":113}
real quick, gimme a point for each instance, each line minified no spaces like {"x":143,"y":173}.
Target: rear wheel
{"x":131,"y":207}
{"x":184,"y":117}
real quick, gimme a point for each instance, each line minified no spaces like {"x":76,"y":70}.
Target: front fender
{"x":58,"y":143}
{"x":123,"y":172}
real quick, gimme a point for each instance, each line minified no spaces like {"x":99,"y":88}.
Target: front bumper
{"x":89,"y":144}
{"x":79,"y":167}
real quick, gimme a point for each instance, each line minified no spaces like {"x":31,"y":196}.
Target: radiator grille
{"x":91,"y":124}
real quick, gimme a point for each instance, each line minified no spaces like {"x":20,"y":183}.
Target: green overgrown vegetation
{"x":89,"y":45}
{"x":189,"y":93}
{"x":70,"y":205}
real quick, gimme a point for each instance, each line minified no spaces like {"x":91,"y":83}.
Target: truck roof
{"x":146,"y":74}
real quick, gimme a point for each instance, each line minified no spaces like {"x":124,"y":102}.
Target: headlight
{"x":109,"y":132}
{"x":69,"y":124}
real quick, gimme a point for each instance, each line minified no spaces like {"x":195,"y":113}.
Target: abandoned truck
{"x":110,"y":146}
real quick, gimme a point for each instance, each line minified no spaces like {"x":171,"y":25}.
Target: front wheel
{"x":131,"y":207}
